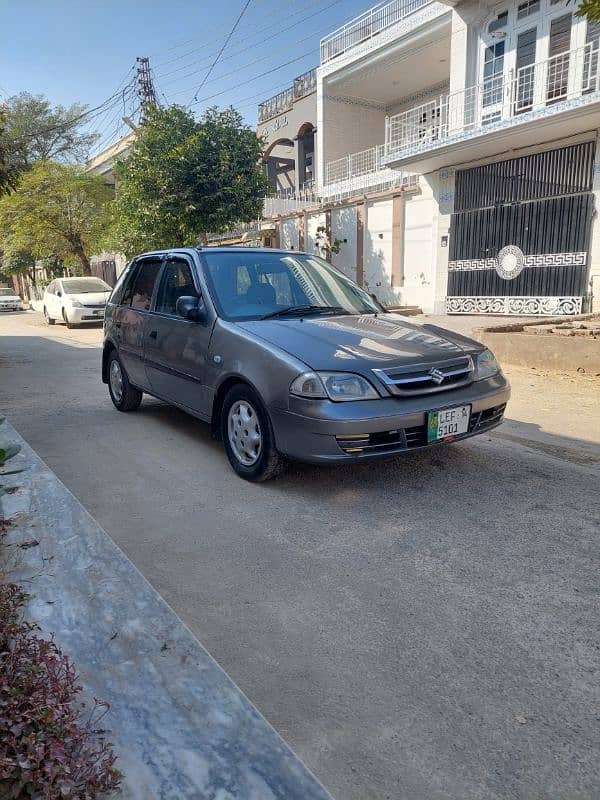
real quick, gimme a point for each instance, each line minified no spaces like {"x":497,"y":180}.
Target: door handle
{"x":153,"y":334}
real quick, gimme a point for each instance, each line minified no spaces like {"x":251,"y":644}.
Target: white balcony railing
{"x":367,"y":25}
{"x":540,"y":89}
{"x":359,"y":172}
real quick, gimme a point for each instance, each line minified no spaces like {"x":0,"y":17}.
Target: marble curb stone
{"x":180,"y":726}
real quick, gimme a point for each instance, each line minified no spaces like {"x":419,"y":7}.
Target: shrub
{"x":50,"y":747}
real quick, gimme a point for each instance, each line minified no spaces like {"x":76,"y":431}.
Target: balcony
{"x":367,"y":26}
{"x":304,"y":84}
{"x":360,"y":172}
{"x":287,"y":201}
{"x":504,"y":111}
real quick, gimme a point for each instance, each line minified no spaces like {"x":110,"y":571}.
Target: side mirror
{"x":59,"y":294}
{"x":191,"y":308}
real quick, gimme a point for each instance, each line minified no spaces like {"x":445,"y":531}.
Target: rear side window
{"x":143,"y":284}
{"x":176,"y":282}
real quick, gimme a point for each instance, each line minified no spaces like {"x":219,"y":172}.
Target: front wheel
{"x":248,"y":436}
{"x":125,"y":397}
{"x":49,"y":319}
{"x":69,"y":325}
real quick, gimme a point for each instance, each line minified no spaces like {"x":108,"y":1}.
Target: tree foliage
{"x":8,"y":173}
{"x":57,"y":211}
{"x":590,"y":9}
{"x":184,"y":178}
{"x":36,"y":131}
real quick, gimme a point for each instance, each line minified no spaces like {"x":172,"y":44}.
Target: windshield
{"x":7,"y":293}
{"x":252,"y":285}
{"x":85,"y":286}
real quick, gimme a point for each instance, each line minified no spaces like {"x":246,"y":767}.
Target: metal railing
{"x":304,"y":84}
{"x":368,"y":25}
{"x":501,"y":100}
{"x":361,"y":171}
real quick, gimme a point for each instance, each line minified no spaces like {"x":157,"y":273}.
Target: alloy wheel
{"x":116,"y":380}
{"x":245,"y":436}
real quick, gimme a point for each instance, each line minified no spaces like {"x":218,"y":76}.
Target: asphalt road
{"x":419,"y":629}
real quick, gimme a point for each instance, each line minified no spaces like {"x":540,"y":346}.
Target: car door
{"x":176,"y":349}
{"x":131,"y":315}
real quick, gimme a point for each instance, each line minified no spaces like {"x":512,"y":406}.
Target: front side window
{"x":252,"y":285}
{"x":143,"y":285}
{"x":176,"y":282}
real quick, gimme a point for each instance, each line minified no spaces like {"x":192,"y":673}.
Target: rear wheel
{"x":49,"y":319}
{"x":125,"y":397}
{"x":248,"y":436}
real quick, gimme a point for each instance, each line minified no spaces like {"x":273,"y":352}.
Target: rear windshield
{"x":85,"y":286}
{"x":7,"y":293}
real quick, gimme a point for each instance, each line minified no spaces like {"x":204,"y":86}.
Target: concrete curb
{"x":568,"y":354}
{"x":181,"y":728}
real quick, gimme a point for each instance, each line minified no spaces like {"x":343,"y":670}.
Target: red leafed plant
{"x":50,"y":747}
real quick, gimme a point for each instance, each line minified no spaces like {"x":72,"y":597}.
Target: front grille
{"x":419,"y":379}
{"x":94,"y":305}
{"x":409,"y":438}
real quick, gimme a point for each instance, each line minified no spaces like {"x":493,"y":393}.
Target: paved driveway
{"x":419,"y":629}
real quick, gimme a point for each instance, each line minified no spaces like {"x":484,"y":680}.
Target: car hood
{"x":354,"y":342}
{"x":9,"y":298}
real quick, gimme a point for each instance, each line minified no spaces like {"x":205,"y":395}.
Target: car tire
{"x":125,"y":397}
{"x":49,"y":319}
{"x":69,"y":325}
{"x":242,"y":405}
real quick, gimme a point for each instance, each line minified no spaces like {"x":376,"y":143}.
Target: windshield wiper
{"x":293,"y":311}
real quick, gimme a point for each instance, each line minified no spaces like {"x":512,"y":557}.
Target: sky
{"x":84,"y":50}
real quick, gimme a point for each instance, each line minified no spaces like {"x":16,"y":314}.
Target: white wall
{"x":288,"y":234}
{"x":343,"y":227}
{"x":349,"y":128}
{"x":378,"y":250}
{"x":313,"y":221}
{"x":420,"y":237}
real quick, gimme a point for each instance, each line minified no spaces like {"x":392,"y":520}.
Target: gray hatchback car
{"x":286,"y":357}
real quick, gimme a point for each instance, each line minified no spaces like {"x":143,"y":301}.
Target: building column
{"x":398,"y":240}
{"x":360,"y":242}
{"x":301,"y":231}
{"x":328,"y":233}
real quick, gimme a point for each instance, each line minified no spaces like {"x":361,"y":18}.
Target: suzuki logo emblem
{"x":437,"y":376}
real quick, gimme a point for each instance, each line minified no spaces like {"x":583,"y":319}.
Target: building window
{"x":500,"y":22}
{"x":493,"y":68}
{"x":528,"y":8}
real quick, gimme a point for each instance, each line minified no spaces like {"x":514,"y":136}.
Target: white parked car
{"x":75,"y":300}
{"x":9,"y":301}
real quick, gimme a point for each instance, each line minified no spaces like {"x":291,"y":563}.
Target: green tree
{"x":57,"y":211}
{"x":36,"y":131}
{"x":8,"y":173}
{"x":185,"y":178}
{"x":590,"y":9}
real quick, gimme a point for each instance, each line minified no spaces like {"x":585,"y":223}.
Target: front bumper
{"x":78,"y":315}
{"x":322,"y":431}
{"x":11,"y":306}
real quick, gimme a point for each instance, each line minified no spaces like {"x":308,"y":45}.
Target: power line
{"x":225,"y":43}
{"x":256,"y":77}
{"x":244,"y":37}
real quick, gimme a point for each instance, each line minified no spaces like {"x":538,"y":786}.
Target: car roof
{"x":190,"y":251}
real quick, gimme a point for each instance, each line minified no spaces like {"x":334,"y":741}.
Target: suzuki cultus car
{"x":285,"y":357}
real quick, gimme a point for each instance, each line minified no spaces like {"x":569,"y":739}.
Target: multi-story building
{"x":458,"y":155}
{"x":286,"y":125}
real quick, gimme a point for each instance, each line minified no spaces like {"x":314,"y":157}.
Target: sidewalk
{"x":181,"y":728}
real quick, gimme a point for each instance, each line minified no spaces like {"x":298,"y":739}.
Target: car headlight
{"x":486,"y":365}
{"x":76,"y":304}
{"x":339,"y":386}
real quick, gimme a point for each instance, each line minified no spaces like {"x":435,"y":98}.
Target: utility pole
{"x":145,"y":91}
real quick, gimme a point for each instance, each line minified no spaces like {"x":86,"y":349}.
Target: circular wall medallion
{"x":510,"y":262}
